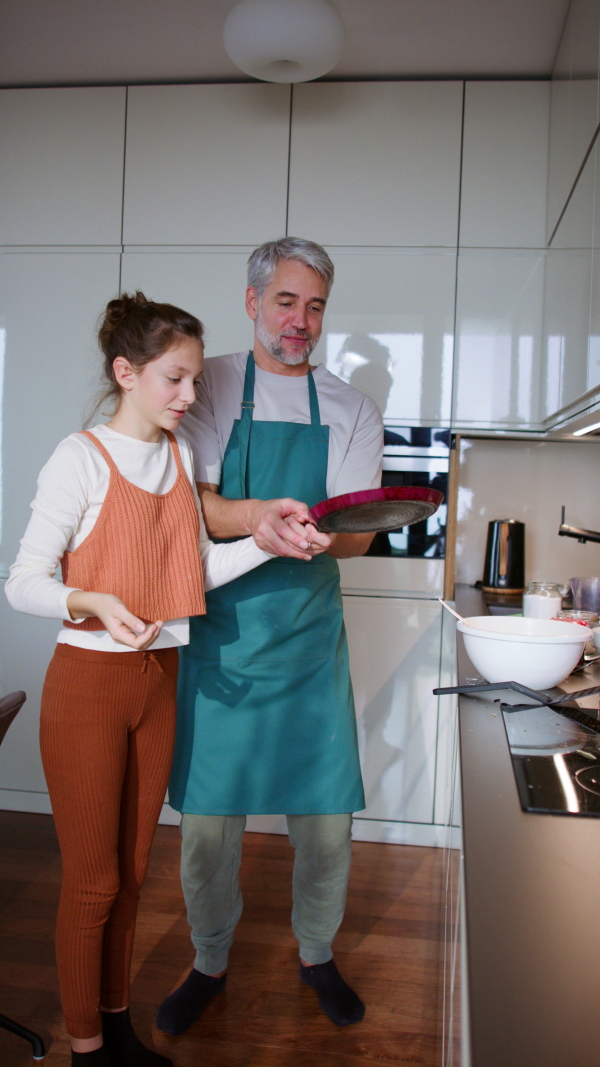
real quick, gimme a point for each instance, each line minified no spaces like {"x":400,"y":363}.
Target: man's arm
{"x":277,"y":526}
{"x":347,"y":545}
{"x":360,"y":469}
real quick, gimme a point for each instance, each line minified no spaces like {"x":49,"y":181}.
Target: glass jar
{"x":581,"y":618}
{"x":542,"y":600}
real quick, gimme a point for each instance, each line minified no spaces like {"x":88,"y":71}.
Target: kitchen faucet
{"x":574,"y":531}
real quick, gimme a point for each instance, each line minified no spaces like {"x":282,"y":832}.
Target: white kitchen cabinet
{"x":593,"y":353}
{"x":505,"y":163}
{"x":498,"y":361}
{"x":395,"y":662}
{"x":447,"y":762}
{"x":389,"y":329}
{"x":574,"y":103}
{"x":206,"y":164}
{"x":566,"y":330}
{"x":61,"y":167}
{"x":571,"y":301}
{"x":377,"y":163}
{"x":49,"y":305}
{"x":210,"y":284}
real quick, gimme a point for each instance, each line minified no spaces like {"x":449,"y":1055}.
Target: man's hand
{"x":339,"y":545}
{"x":284,"y":527}
{"x":277,"y":526}
{"x":122,"y":626}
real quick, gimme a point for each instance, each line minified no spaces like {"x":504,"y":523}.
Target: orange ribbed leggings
{"x":107,"y":731}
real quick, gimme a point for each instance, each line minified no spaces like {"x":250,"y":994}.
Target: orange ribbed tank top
{"x":143,"y":548}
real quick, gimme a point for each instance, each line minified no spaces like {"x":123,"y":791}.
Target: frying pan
{"x":374,"y":510}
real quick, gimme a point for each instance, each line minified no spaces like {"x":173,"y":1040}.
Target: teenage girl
{"x":118,"y":509}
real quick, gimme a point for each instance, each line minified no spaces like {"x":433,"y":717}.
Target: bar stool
{"x":9,"y":707}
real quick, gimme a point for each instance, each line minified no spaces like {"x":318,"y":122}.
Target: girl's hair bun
{"x":118,"y":309}
{"x":140,"y":330}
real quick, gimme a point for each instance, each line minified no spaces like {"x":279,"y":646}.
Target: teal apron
{"x":266,"y":721}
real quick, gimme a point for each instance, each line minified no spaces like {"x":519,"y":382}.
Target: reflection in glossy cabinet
{"x":498,"y":339}
{"x":210,"y":284}
{"x":206,"y":164}
{"x":505,"y":161}
{"x":61,"y":167}
{"x":389,"y":330}
{"x":377,"y":163}
{"x":394,"y":661}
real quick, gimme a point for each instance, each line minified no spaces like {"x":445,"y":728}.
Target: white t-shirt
{"x":71,"y":490}
{"x":354,"y":420}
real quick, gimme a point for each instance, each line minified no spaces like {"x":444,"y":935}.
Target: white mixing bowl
{"x":538,"y":653}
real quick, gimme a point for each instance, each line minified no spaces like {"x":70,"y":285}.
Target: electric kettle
{"x":504,"y":567}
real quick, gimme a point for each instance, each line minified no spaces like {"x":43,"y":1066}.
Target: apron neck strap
{"x":245,"y":427}
{"x":315,"y":414}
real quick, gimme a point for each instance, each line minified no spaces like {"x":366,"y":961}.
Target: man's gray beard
{"x":274,"y":347}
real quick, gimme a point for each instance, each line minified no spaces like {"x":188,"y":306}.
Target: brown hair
{"x":140,"y":330}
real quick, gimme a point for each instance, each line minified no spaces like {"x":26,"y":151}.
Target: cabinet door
{"x":389,"y":331}
{"x":206,"y":164}
{"x":377,"y":163}
{"x":394,"y":662}
{"x":570,"y":351}
{"x":574,"y":112}
{"x":49,"y":305}
{"x":498,"y":339}
{"x":61,"y":167}
{"x":505,"y":163}
{"x":211,"y":285}
{"x":593,"y":354}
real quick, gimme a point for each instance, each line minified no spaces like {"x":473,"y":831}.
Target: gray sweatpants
{"x":210,"y":861}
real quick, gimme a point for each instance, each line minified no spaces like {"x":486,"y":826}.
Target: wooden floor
{"x":388,"y":948}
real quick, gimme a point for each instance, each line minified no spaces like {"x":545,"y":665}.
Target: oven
{"x":408,"y":561}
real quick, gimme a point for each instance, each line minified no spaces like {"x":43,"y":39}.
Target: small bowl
{"x":596,"y":638}
{"x":537,"y":653}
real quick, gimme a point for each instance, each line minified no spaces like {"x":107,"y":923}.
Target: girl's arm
{"x":120,"y":623}
{"x":61,"y":500}
{"x":223,"y":563}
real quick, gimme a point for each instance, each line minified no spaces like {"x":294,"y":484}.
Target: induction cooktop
{"x":554,"y":746}
{"x":556,"y":759}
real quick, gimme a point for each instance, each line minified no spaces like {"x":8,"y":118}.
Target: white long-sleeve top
{"x":70,"y":493}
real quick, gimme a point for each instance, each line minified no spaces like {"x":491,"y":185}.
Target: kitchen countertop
{"x":532,"y":894}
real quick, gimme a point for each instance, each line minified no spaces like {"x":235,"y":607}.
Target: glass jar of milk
{"x":542,"y":600}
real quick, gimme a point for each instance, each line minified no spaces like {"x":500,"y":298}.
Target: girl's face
{"x":157,"y":397}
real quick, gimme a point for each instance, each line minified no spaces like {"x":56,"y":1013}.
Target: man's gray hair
{"x":264,"y":260}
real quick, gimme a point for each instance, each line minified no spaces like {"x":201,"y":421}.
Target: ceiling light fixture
{"x":284,"y":40}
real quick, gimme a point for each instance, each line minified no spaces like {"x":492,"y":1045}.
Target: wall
{"x":529,"y":481}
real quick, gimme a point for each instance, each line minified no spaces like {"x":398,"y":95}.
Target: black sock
{"x":123,"y":1046}
{"x":183,"y":1007}
{"x":337,"y":1000}
{"x":97,"y":1058}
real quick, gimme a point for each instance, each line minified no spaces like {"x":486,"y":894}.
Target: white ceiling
{"x":103,"y":42}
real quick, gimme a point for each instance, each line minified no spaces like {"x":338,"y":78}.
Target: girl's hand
{"x":318,"y":541}
{"x":122,"y":626}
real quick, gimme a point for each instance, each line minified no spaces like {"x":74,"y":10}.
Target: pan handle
{"x":491,"y":687}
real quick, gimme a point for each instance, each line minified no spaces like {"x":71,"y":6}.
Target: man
{"x":267,"y":722}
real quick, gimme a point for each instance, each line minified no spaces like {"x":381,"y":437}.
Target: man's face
{"x":288,"y":318}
